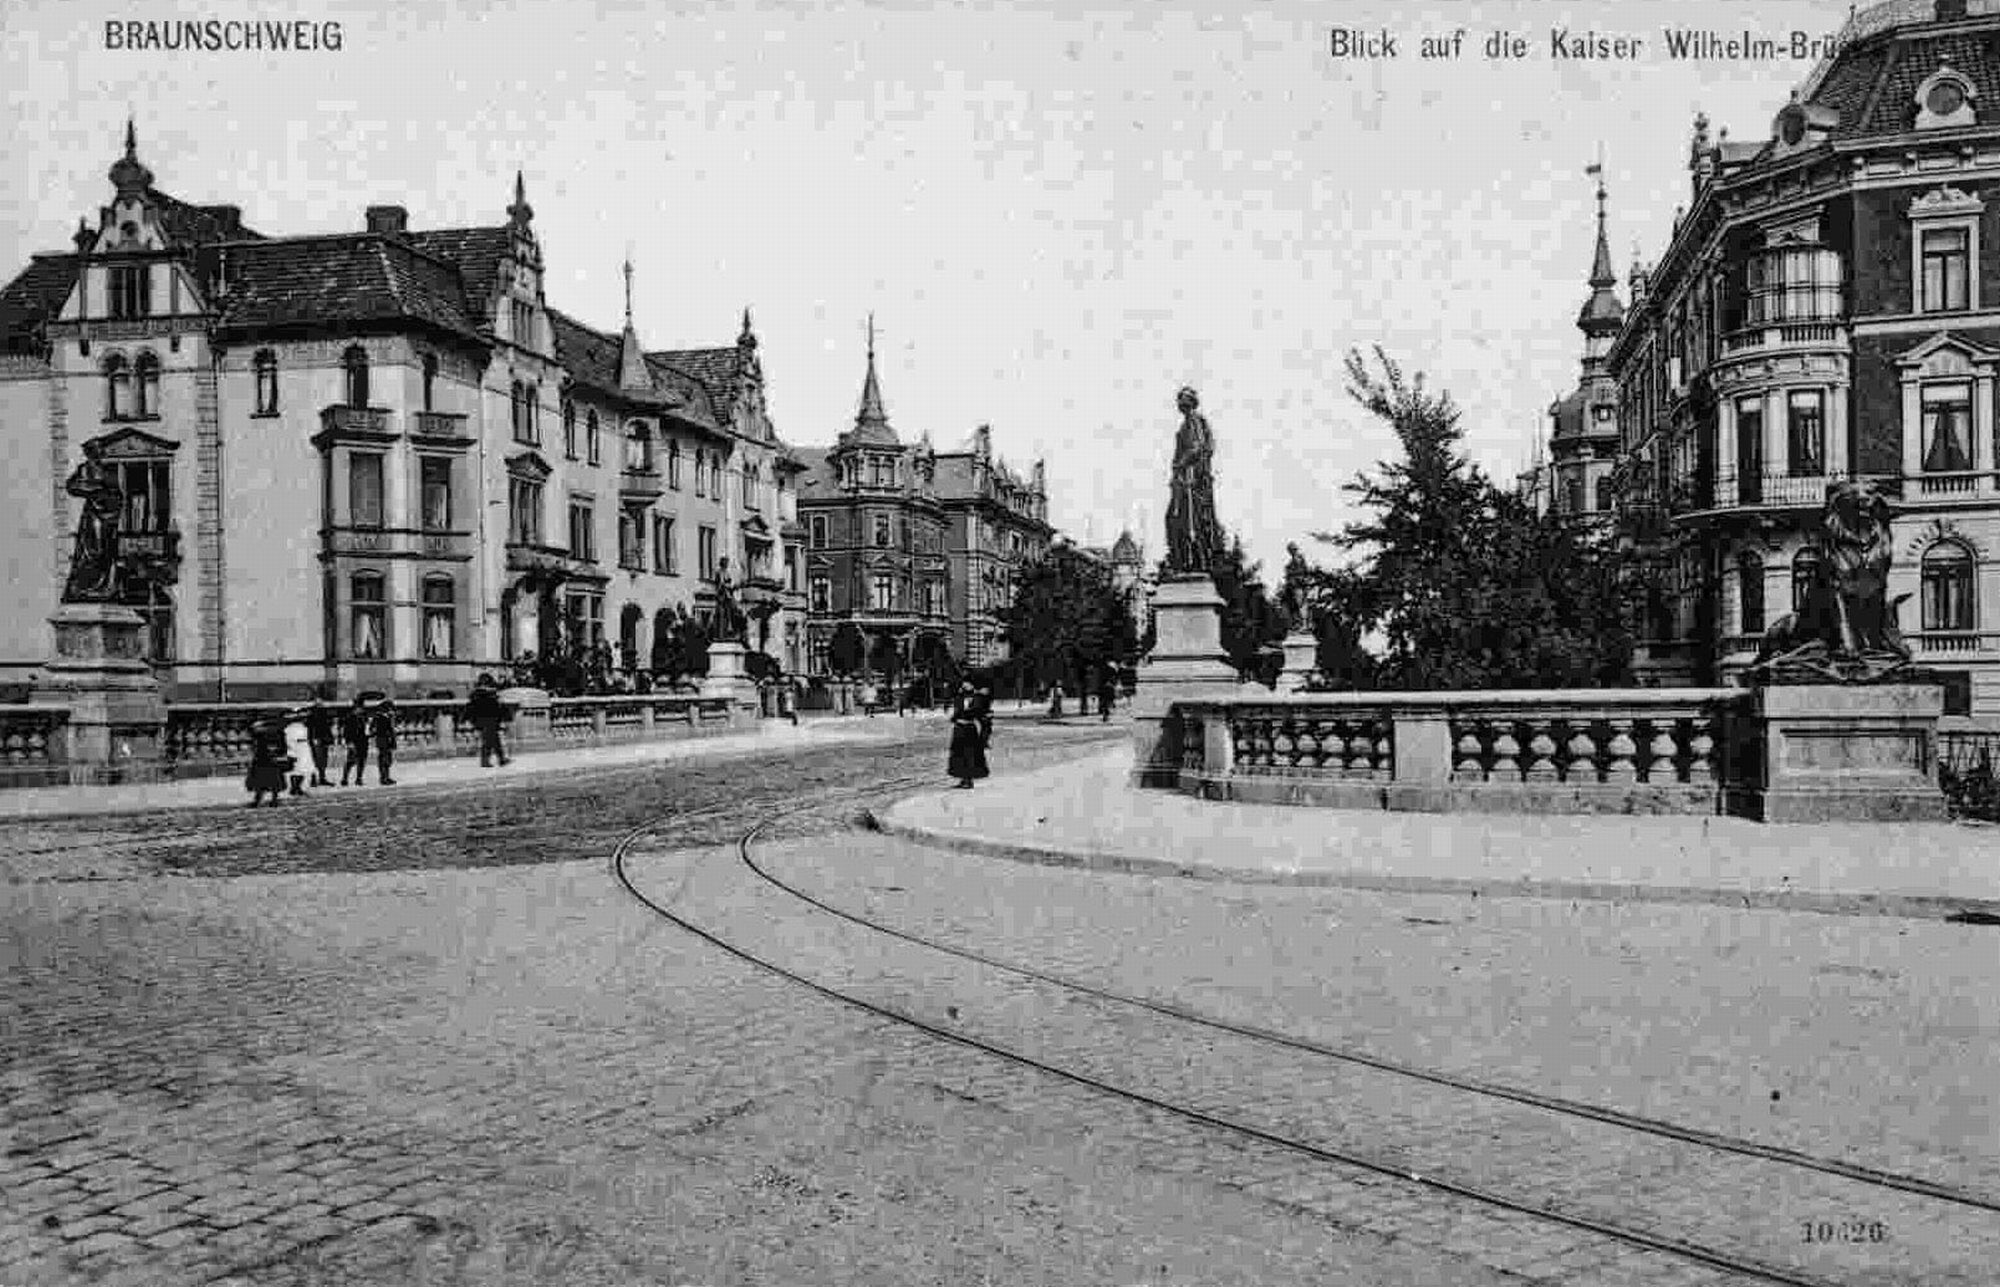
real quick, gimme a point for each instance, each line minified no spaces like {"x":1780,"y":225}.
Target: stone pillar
{"x":1301,"y":651}
{"x":1187,"y":662}
{"x":530,"y":707}
{"x":117,"y":721}
{"x":1847,"y":753}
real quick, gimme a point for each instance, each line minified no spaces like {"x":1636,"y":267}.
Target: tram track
{"x":1685,"y":1151}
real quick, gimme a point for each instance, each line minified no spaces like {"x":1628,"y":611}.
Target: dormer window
{"x":131,"y":291}
{"x":1944,"y":100}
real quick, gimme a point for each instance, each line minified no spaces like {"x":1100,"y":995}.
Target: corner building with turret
{"x":1828,"y":308}
{"x":375,"y":459}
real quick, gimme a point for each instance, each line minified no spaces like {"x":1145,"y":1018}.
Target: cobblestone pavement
{"x":467,"y":1064}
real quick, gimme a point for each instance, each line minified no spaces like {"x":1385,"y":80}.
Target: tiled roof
{"x":478,"y":253}
{"x":1848,"y":83}
{"x":817,"y":481}
{"x":352,"y":277}
{"x":35,"y":295}
{"x":715,"y":368}
{"x":591,"y":358}
{"x":192,"y":225}
{"x":1874,"y":86}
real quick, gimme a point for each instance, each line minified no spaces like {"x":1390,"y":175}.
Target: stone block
{"x":1847,"y":753}
{"x":1187,"y":663}
{"x":116,"y":730}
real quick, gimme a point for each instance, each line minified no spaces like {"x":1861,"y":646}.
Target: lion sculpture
{"x":1846,"y":630}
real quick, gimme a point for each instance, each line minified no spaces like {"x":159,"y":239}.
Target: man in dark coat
{"x":486,"y":714}
{"x":1107,"y":692}
{"x":354,"y":735}
{"x":971,"y":728}
{"x":382,"y":729}
{"x":268,"y":762}
{"x":319,"y":734}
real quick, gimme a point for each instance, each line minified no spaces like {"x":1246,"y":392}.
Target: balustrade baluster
{"x":1541,"y":757}
{"x":1701,"y":746}
{"x":1506,"y":768}
{"x":1663,"y":748}
{"x":1383,"y":761}
{"x":1582,"y":765}
{"x":1467,"y":766}
{"x":1621,"y":769}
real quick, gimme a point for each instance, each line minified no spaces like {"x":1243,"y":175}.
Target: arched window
{"x":700,"y":472}
{"x":368,"y":613}
{"x":569,"y":429}
{"x":1750,"y":593}
{"x":628,"y":636}
{"x":117,"y":388}
{"x":593,"y":439}
{"x":266,"y":366}
{"x":146,"y":403}
{"x":1805,"y":570}
{"x":430,"y":381}
{"x":674,"y":465}
{"x":1947,"y":587}
{"x":440,"y":618}
{"x":534,"y":413}
{"x":638,"y":445}
{"x":355,"y":360}
{"x":1604,"y":505}
{"x":518,"y":410}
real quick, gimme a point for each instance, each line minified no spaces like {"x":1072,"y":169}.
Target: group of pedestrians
{"x":296,"y":749}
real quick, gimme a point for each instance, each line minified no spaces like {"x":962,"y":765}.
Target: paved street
{"x":427,"y":1038}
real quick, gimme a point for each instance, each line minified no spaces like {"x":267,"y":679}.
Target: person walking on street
{"x":298,"y":749}
{"x":354,"y":734}
{"x":267,"y":762}
{"x":868,"y":697}
{"x":382,"y":728}
{"x":788,"y":699}
{"x":971,"y":726}
{"x":1107,"y":693}
{"x":486,"y":714}
{"x":319,"y":739}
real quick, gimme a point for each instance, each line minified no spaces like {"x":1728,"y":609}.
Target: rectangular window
{"x":368,"y":616}
{"x":665,"y":561}
{"x":631,"y":540}
{"x":148,"y":500}
{"x":883,"y":598}
{"x":582,"y":531}
{"x":569,"y":430}
{"x":524,"y":323}
{"x":1805,"y":433}
{"x":1750,"y":574}
{"x":1945,"y":256}
{"x":705,"y":552}
{"x":440,"y":614}
{"x":674,"y":465}
{"x":881,"y":531}
{"x":267,"y":384}
{"x":364,"y":489}
{"x":132,"y":291}
{"x":1947,"y":427}
{"x":1749,"y":450}
{"x":822,"y":594}
{"x":586,"y":617}
{"x":593,"y":440}
{"x":819,"y":531}
{"x":524,"y":511}
{"x":436,"y":486}
{"x":791,"y":567}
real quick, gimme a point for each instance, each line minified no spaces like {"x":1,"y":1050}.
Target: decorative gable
{"x":1945,"y":355}
{"x":135,"y":444}
{"x":530,"y":466}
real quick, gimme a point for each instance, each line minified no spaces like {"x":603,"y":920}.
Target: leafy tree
{"x":1068,"y":621}
{"x":847,"y":651}
{"x":1467,"y":586}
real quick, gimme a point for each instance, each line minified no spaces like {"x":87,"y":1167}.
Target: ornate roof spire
{"x":748,"y":339}
{"x":1602,"y":313}
{"x":520,"y":212}
{"x":628,"y":288}
{"x":871,"y":423}
{"x":128,"y":175}
{"x":633,"y":372}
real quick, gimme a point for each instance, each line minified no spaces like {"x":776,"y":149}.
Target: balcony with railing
{"x":369,"y":424}
{"x":639,"y":485}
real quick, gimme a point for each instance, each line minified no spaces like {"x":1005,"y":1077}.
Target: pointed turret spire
{"x":520,"y":212}
{"x":628,"y":288}
{"x":1602,"y":314}
{"x":871,"y":422}
{"x":128,"y":174}
{"x":633,"y":374}
{"x":83,"y":238}
{"x":748,"y":338}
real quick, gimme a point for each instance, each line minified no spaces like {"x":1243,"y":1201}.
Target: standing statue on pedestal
{"x":730,"y":624}
{"x":1194,"y":537}
{"x":93,"y":560}
{"x":1846,"y":631}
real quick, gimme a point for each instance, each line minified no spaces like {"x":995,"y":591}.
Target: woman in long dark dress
{"x":268,"y":762}
{"x":971,"y":724}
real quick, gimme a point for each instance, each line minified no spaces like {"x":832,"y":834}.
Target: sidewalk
{"x":42,"y":803}
{"x":1084,"y":815}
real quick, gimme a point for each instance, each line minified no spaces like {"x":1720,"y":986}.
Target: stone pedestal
{"x":1187,"y":662}
{"x":530,"y":709}
{"x":116,"y":731}
{"x":728,"y":675}
{"x":1301,"y":654}
{"x":1846,"y":753}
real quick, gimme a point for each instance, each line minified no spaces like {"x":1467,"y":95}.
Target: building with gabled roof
{"x":375,"y":459}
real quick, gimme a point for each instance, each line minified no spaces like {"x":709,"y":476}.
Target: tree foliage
{"x":1068,"y":622}
{"x":1465,"y":585}
{"x":847,"y":651}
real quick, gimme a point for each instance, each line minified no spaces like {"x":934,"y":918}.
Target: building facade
{"x":914,"y":547}
{"x":377,"y":459}
{"x":1828,"y":307}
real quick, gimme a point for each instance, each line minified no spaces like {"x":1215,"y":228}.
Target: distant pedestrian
{"x":971,"y":726}
{"x":788,"y":700}
{"x":486,"y":714}
{"x":1107,"y":693}
{"x":354,"y":736}
{"x":268,"y":762}
{"x":298,"y":749}
{"x":319,"y":739}
{"x":869,"y":698}
{"x":382,"y":731}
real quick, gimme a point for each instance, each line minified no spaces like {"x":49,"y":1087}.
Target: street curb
{"x":1905,"y":906}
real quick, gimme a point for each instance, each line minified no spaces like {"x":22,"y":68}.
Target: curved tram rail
{"x":1707,"y":1141}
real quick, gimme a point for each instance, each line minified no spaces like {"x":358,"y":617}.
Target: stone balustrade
{"x":1583,"y":751}
{"x":212,"y":738}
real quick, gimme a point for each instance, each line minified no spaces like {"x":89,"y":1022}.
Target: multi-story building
{"x":910,"y":544}
{"x":375,"y":459}
{"x":1575,"y":479}
{"x":998,"y":523}
{"x":875,"y":541}
{"x":1125,"y":560}
{"x":1829,"y":307}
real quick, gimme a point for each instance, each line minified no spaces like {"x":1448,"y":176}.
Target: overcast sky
{"x":1059,"y":212}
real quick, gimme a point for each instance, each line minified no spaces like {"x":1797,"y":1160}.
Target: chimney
{"x":230,"y":217}
{"x":388,"y":219}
